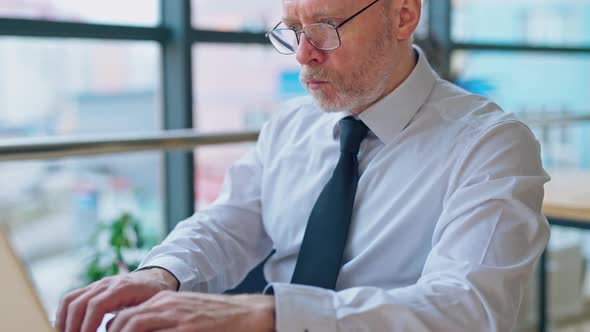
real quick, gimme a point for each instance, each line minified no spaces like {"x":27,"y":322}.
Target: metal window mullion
{"x":517,"y":48}
{"x":52,"y":29}
{"x":440,"y":35}
{"x":179,"y":193}
{"x":211,"y":36}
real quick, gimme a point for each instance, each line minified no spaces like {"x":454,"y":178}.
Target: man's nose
{"x":307,"y":53}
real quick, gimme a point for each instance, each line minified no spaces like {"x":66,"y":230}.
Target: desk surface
{"x":567,"y":195}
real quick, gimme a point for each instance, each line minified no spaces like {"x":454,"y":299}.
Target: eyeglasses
{"x":323,"y":36}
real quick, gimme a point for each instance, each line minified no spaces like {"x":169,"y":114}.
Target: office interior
{"x":130,"y":112}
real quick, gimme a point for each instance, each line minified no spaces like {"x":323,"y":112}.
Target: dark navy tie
{"x":320,"y":256}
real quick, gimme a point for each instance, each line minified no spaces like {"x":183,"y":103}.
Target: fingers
{"x":77,"y":308}
{"x":120,"y":294}
{"x":151,"y":315}
{"x":62,"y":311}
{"x":83,"y":310}
{"x":145,"y":321}
{"x":178,"y":312}
{"x":97,"y":307}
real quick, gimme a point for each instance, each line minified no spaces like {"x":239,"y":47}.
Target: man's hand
{"x":83,"y":309}
{"x":177,"y":312}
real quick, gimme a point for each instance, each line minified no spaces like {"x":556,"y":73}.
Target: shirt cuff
{"x":180,"y":270}
{"x":303,"y":308}
{"x":149,"y":267}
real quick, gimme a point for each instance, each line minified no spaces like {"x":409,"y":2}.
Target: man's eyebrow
{"x":325,"y":14}
{"x":288,"y":19}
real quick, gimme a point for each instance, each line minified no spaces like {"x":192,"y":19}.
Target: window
{"x":546,"y":22}
{"x":505,"y":76}
{"x":129,"y":12}
{"x":54,"y":87}
{"x":68,"y":198}
{"x":58,"y":87}
{"x":226,"y":15}
{"x":253,"y":83}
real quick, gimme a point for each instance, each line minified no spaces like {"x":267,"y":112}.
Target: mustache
{"x":315,"y":74}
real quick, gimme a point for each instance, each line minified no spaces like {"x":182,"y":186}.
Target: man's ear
{"x":409,"y":12}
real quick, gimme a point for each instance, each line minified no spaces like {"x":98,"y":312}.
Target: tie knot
{"x":352,"y":133}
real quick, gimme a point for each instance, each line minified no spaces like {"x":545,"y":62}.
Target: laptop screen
{"x":20,"y":309}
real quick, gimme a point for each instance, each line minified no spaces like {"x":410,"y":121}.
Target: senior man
{"x":393,"y":200}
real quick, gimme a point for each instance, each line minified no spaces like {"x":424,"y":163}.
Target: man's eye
{"x":331,"y":22}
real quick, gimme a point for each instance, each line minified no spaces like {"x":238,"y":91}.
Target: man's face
{"x":356,"y":74}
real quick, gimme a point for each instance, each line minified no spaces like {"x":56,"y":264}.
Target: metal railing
{"x":63,"y":147}
{"x":552,"y":118}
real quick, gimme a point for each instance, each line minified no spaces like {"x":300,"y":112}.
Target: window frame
{"x":175,"y":37}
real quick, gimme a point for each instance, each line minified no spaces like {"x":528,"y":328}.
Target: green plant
{"x":117,"y":248}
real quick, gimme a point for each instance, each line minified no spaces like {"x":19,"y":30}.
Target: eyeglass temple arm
{"x":355,"y":15}
{"x":271,"y":30}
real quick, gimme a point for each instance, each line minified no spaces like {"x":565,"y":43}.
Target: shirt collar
{"x":390,"y":115}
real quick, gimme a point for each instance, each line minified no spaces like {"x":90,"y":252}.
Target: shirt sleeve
{"x":484,"y":248}
{"x":214,"y":249}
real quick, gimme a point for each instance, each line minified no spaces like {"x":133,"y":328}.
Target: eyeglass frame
{"x":302,"y":30}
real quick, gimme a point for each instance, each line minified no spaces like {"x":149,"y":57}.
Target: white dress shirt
{"x":446,"y":227}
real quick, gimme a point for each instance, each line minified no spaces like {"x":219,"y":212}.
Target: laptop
{"x":20,"y":308}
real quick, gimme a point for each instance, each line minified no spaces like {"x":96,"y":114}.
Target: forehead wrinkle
{"x":315,"y":17}
{"x":302,"y":10}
